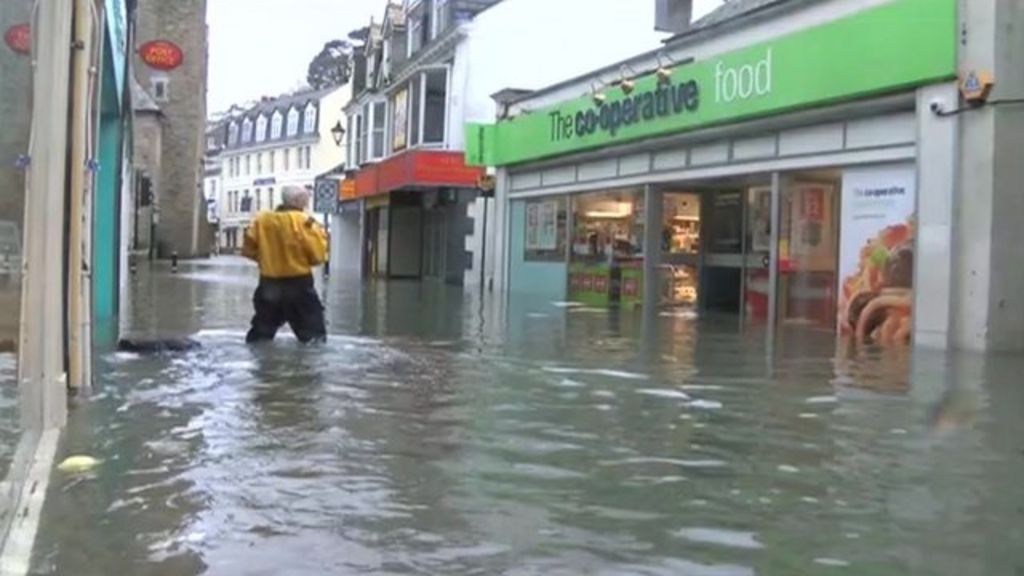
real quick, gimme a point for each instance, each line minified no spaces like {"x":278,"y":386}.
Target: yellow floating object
{"x":78,"y":464}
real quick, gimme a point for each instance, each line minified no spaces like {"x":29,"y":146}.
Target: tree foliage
{"x":332,"y":66}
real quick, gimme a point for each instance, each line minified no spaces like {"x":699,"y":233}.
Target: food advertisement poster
{"x":400,"y":119}
{"x":542,"y":225}
{"x":876,"y":257}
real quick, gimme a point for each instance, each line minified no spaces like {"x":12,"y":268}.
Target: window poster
{"x":876,"y":259}
{"x":542,"y":225}
{"x":400,"y":117}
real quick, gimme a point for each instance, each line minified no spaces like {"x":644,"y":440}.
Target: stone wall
{"x":182,"y":226}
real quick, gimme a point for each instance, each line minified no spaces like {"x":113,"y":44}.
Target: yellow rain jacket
{"x":286,"y":243}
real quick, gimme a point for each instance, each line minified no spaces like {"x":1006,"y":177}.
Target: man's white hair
{"x":295,"y":197}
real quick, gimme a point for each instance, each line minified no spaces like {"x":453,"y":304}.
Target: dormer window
{"x":246,"y":131}
{"x":415,"y":27}
{"x":309,"y":126}
{"x":276,"y":124}
{"x":261,"y":128}
{"x":233,"y":134}
{"x":440,"y":19}
{"x":293,"y":122}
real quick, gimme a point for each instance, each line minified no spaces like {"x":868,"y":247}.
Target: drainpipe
{"x":84,"y":76}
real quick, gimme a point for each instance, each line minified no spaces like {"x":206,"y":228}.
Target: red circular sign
{"x":19,"y":38}
{"x":161,"y":55}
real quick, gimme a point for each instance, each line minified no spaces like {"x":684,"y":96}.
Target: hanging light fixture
{"x":664,"y":71}
{"x":597,"y":94}
{"x":627,"y":83}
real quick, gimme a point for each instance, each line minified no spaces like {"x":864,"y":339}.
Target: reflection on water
{"x":432,"y":435}
{"x":8,"y":411}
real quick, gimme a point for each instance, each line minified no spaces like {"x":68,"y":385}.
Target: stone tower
{"x":181,"y":96}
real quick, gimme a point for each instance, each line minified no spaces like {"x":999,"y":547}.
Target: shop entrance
{"x":715,"y":252}
{"x":434,"y":244}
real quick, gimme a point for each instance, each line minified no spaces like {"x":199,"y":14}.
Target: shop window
{"x":546,"y":222}
{"x":808,"y":251}
{"x":606,"y":267}
{"x":435,"y":106}
{"x":608,"y":226}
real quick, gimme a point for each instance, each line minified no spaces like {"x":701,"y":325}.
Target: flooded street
{"x":434,"y":434}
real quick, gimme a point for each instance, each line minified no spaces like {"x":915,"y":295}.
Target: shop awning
{"x":416,"y":169}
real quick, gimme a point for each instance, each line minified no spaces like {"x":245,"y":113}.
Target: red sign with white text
{"x":162,"y":55}
{"x":19,"y":38}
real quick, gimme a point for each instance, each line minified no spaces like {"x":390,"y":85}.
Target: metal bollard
{"x":174,"y":262}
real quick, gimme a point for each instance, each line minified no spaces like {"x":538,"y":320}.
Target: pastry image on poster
{"x":876,"y":260}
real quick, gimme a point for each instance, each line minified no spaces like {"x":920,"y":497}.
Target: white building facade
{"x":285,"y":141}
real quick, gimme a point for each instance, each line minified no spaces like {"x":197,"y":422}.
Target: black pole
{"x":483,"y":251}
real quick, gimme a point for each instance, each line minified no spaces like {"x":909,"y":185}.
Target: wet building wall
{"x":182,"y":227}
{"x":15,"y":112}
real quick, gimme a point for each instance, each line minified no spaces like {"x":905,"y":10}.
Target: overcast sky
{"x":262,"y":47}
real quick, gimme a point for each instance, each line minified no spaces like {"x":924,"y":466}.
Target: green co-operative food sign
{"x":894,"y":46}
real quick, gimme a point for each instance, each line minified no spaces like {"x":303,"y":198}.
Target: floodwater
{"x":435,"y":434}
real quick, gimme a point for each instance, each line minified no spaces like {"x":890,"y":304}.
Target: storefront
{"x":416,"y":217}
{"x":777,"y":182}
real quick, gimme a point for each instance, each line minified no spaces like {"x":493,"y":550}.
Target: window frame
{"x":309,"y":118}
{"x":378,"y":137}
{"x":276,"y":125}
{"x":247,"y":126}
{"x":292,"y":128}
{"x":437,"y":8}
{"x":414,"y":22}
{"x":261,"y":129}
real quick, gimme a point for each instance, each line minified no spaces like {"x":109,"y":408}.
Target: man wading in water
{"x":287,"y":244}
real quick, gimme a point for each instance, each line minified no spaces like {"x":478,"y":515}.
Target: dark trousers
{"x":291,"y":300}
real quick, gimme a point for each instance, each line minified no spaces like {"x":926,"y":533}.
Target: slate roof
{"x":268,"y":106}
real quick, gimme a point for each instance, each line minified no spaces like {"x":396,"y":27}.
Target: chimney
{"x":672,"y":16}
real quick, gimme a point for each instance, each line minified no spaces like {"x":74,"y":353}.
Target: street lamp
{"x":338,"y":132}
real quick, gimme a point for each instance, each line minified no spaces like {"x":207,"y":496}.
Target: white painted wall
{"x":346,"y":243}
{"x":530,"y":44}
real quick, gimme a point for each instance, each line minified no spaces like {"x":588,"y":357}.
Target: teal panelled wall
{"x":540,"y":279}
{"x":106,"y":246}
